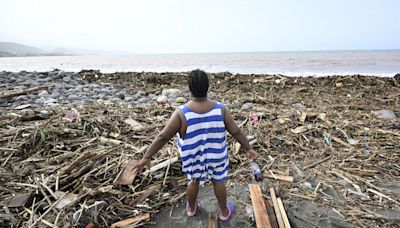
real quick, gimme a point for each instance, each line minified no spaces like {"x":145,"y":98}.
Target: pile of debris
{"x":332,"y":141}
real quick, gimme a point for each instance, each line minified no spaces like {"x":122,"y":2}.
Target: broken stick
{"x":260,"y":210}
{"x":126,"y":222}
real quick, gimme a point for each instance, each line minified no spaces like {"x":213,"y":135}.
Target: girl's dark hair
{"x":198,"y":83}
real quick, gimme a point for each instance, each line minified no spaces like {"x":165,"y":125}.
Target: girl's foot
{"x":189,"y":212}
{"x":229,"y":206}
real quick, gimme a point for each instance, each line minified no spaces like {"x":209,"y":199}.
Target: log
{"x":281,"y":224}
{"x":283,"y":213}
{"x":260,"y":210}
{"x":23,"y":91}
{"x":212,"y":221}
{"x":279,"y":177}
{"x":136,"y":219}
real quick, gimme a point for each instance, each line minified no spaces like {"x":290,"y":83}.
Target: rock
{"x":73,"y":97}
{"x":55,"y":94}
{"x":162,"y":99}
{"x":385,"y":114}
{"x":339,"y":85}
{"x":121,"y":96}
{"x":247,"y":106}
{"x":171,"y":93}
{"x":141,"y":93}
{"x":397,"y":77}
{"x":50,"y":101}
{"x":298,"y":105}
{"x":142,"y":100}
{"x":43,"y":93}
{"x":181,"y":100}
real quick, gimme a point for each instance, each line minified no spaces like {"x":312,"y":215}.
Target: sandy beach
{"x":74,"y":133}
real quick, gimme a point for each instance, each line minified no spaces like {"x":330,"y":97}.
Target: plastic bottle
{"x":256,"y":172}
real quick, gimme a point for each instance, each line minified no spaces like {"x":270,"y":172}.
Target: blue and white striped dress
{"x":203,"y":149}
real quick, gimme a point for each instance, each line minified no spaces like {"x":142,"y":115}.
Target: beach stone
{"x":43,"y":93}
{"x":121,"y":96}
{"x":141,"y":93}
{"x":55,"y":94}
{"x":385,"y":114}
{"x":181,"y":100}
{"x":142,"y":100}
{"x":298,"y":105}
{"x":73,"y":97}
{"x":397,"y":77}
{"x":171,"y":93}
{"x":161,"y":99}
{"x":247,"y":106}
{"x":50,"y":100}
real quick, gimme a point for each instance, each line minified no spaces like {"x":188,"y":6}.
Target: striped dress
{"x":203,"y":149}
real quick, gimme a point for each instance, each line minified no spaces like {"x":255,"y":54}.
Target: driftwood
{"x":212,"y":221}
{"x":23,"y":92}
{"x":279,"y":177}
{"x":277,"y":210}
{"x":259,"y":208}
{"x":129,"y":221}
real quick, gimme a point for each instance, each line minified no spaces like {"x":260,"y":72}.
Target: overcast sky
{"x":184,"y":26}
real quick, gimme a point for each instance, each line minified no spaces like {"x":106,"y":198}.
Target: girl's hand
{"x":138,"y":168}
{"x":251,"y":154}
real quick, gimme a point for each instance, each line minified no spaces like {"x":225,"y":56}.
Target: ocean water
{"x":316,"y":63}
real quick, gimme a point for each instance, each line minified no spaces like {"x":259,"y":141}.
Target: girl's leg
{"x":191,"y":193}
{"x":220,"y":193}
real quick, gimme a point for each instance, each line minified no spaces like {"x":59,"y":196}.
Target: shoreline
{"x":351,"y":120}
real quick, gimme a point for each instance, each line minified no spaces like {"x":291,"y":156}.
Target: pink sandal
{"x":230,"y":206}
{"x":191,"y":213}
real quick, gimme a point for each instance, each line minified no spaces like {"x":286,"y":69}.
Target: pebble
{"x":247,"y":106}
{"x":181,"y":100}
{"x":385,"y":114}
{"x":43,"y":93}
{"x":171,"y":93}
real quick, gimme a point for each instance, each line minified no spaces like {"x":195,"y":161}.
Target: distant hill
{"x":10,"y":49}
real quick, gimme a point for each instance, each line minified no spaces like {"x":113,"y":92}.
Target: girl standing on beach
{"x":200,"y":126}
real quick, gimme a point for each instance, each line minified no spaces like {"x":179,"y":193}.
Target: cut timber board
{"x":283,"y":213}
{"x":21,"y":200}
{"x":259,"y":208}
{"x":128,"y":175}
{"x":278,"y":214}
{"x":212,"y":221}
{"x":279,"y":177}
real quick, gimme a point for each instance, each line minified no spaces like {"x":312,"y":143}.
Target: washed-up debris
{"x":315,"y":144}
{"x":385,"y":114}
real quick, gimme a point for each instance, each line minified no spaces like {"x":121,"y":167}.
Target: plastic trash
{"x":256,"y":171}
{"x":385,"y":114}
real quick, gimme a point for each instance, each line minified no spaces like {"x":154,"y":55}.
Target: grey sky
{"x":179,"y":26}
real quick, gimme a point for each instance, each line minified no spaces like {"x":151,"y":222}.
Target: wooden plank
{"x":129,"y":221}
{"x":283,"y":213}
{"x":212,"y":221}
{"x":281,"y":224}
{"x":21,"y":200}
{"x":259,"y":208}
{"x":128,"y":175}
{"x":279,"y":177}
{"x":271,"y":215}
